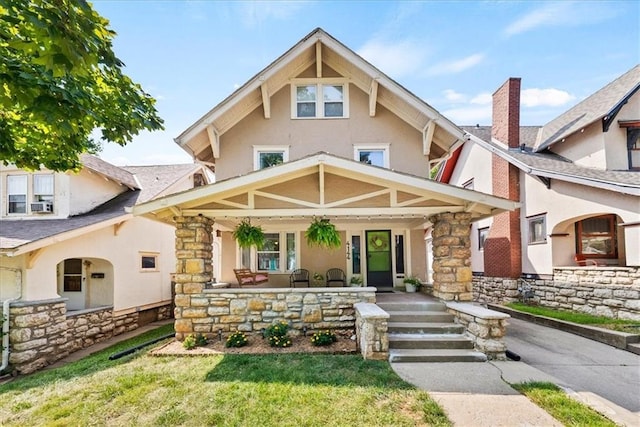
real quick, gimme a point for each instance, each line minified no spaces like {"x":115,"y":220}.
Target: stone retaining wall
{"x":486,"y":328}
{"x":42,"y":332}
{"x":602,"y":291}
{"x":372,"y":331}
{"x":251,"y":310}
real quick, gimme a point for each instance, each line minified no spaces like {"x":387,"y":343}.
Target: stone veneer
{"x":251,"y":310}
{"x":485,"y":327}
{"x":372,"y":331}
{"x":452,"y":276}
{"x":603,"y":291}
{"x":42,"y":332}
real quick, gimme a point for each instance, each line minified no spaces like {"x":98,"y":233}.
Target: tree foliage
{"x":59,"y":81}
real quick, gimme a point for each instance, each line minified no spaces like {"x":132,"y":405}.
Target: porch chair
{"x":299,"y":276}
{"x":247,"y":277}
{"x":583,"y":261}
{"x":336,"y":275}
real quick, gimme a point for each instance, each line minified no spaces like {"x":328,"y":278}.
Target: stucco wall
{"x":88,"y":190}
{"x":308,"y":136}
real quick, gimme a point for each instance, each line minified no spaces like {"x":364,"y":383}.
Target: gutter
{"x":5,"y":313}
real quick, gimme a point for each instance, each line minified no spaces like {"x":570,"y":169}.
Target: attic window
{"x":315,"y":100}
{"x":265,"y":156}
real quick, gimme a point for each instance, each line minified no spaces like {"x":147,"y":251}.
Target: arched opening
{"x":85,"y":282}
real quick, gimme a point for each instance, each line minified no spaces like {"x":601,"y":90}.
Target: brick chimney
{"x":502,"y":250}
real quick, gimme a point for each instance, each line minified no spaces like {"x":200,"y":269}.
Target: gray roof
{"x":156,"y":179}
{"x":593,"y":108}
{"x":115,"y":173}
{"x":528,"y":134}
{"x":15,"y":233}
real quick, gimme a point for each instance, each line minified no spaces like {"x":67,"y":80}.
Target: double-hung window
{"x":314,"y":99}
{"x":43,"y":188}
{"x":372,"y":154}
{"x":277,"y":254}
{"x":265,"y":156}
{"x":537,"y":229}
{"x":17,"y":194}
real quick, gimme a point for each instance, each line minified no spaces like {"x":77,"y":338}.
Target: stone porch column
{"x":452,"y":277}
{"x":194,"y":254}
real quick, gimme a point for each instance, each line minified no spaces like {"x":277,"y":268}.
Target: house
{"x":318,"y":133}
{"x":75,"y":266}
{"x":577,"y":179}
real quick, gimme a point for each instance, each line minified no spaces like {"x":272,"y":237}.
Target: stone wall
{"x":42,"y":332}
{"x":251,"y":310}
{"x":372,"y":331}
{"x":486,"y":328}
{"x":602,"y":291}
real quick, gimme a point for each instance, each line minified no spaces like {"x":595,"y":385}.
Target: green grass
{"x":229,"y":390}
{"x":621,"y":325}
{"x":568,"y":411}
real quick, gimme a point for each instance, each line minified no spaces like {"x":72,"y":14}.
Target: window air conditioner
{"x":42,"y":207}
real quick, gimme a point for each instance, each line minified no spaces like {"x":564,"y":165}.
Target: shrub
{"x":189,"y":342}
{"x":323,"y":338}
{"x":276,"y":334}
{"x":236,"y":339}
{"x":201,"y":340}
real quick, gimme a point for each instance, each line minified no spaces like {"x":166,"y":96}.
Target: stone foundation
{"x":602,"y":291}
{"x":43,"y":332}
{"x":251,"y":310}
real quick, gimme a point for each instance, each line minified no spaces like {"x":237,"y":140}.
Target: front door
{"x":378,"y":245}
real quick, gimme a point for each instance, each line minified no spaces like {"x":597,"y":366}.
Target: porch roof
{"x":328,"y":186}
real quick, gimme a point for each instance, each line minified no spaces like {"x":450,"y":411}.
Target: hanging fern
{"x":323,"y":234}
{"x":248,"y":235}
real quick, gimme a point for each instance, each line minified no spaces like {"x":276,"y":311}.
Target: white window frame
{"x":531,"y":220}
{"x":45,"y":196}
{"x":253,"y":253}
{"x":155,"y":256}
{"x":25,"y":193}
{"x":320,"y":84}
{"x":259,"y":149}
{"x":481,"y":241}
{"x":357,"y":148}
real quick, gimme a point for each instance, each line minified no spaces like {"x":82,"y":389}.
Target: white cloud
{"x":253,"y":13}
{"x":457,"y":66}
{"x":564,"y":13}
{"x":483,"y":98}
{"x":453,"y":96}
{"x":545,"y":97}
{"x":469,"y":115}
{"x":396,"y":59}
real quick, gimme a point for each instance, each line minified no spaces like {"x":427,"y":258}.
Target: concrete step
{"x":425,"y":327}
{"x":429,"y":341}
{"x":413,"y":306}
{"x":634,"y":348}
{"x":420,"y":316}
{"x":446,"y":355}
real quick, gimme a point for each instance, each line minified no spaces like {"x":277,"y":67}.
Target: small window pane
{"x":43,"y":185}
{"x":400,"y":254}
{"x":306,"y":109}
{"x":372,"y":157}
{"x":17,"y":193}
{"x":73,"y":266}
{"x":333,"y":109}
{"x":148,"y":262}
{"x":355,"y":254}
{"x":291,"y":251}
{"x":270,"y":159}
{"x":306,"y":93}
{"x":269,"y":255}
{"x":17,"y":203}
{"x":537,"y":230}
{"x":483,"y":233}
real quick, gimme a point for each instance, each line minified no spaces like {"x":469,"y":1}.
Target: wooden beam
{"x":214,"y":140}
{"x":175,"y":210}
{"x":409,"y":212}
{"x":373,"y":97}
{"x":32,"y":256}
{"x":319,"y":59}
{"x":427,"y":137}
{"x":286,"y":199}
{"x":266,"y":100}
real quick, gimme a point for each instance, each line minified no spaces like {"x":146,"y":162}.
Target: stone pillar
{"x":452,"y":277}
{"x":194,"y":254}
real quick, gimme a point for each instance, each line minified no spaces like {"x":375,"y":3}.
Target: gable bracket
{"x":427,"y":136}
{"x":546,"y":181}
{"x":373,"y":97}
{"x":214,"y":140}
{"x":33,"y":256}
{"x":117,"y":227}
{"x":266,"y":101}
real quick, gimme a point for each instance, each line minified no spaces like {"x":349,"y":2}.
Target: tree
{"x":59,"y":81}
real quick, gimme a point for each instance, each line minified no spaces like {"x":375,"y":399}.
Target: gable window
{"x":633,"y":145}
{"x":148,"y":261}
{"x":596,"y":237}
{"x":17,"y":194}
{"x":326,"y":99}
{"x":483,"y":233}
{"x":372,"y":154}
{"x":265,"y":156}
{"x":537,"y":229}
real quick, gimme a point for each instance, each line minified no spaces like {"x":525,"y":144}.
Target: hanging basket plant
{"x":323,"y":234}
{"x":248,"y":235}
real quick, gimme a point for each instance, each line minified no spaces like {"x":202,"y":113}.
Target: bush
{"x":201,"y":340}
{"x":192,"y":341}
{"x":323,"y":338}
{"x":277,"y":334}
{"x":236,"y":339}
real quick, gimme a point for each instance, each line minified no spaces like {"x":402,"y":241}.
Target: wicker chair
{"x":299,"y":276}
{"x":337,"y":276}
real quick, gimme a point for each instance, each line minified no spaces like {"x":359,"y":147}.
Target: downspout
{"x":5,"y":313}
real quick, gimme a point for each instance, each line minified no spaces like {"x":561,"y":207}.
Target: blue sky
{"x":190,"y":55}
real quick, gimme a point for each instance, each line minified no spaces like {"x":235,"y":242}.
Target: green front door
{"x":378,"y":244}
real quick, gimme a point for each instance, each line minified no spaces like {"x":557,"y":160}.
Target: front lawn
{"x":230,"y":390}
{"x":622,"y":325}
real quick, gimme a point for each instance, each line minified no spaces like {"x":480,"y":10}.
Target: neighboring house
{"x":578,"y":181}
{"x":81,"y":267}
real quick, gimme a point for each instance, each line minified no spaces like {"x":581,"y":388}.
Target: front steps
{"x":424,"y":332}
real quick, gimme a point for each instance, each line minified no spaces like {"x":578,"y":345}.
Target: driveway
{"x":583,"y":365}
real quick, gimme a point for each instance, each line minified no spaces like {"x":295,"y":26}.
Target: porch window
{"x":17,"y":194}
{"x":355,"y":254}
{"x":372,"y":154}
{"x":278,"y":253}
{"x":537,"y":229}
{"x":72,"y":281}
{"x":596,"y":237}
{"x":148,"y":261}
{"x":265,"y":156}
{"x":312,"y":99}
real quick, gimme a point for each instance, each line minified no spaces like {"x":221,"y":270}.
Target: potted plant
{"x":323,"y":234}
{"x":318,"y":279}
{"x":412,"y":284}
{"x":248,"y":235}
{"x":355,"y":281}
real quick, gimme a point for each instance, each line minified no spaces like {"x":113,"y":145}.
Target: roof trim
{"x":611,"y":115}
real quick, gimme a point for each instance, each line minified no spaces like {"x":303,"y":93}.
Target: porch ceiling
{"x":327,"y":186}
